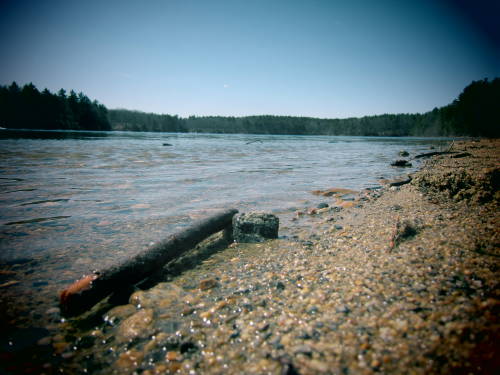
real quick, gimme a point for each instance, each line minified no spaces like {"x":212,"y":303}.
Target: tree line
{"x":124,"y":119}
{"x":382,"y":125}
{"x":475,"y":112}
{"x":28,"y":108}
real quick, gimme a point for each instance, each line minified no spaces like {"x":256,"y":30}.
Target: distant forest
{"x":476,"y":112}
{"x":28,"y":108}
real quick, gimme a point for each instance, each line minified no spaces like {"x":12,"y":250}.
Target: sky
{"x":317,"y":58}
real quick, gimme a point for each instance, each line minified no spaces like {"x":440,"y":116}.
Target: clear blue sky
{"x":229,"y":57}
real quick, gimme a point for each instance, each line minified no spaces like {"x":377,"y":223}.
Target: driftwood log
{"x":86,"y":292}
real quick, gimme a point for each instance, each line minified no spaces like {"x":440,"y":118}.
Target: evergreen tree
{"x":30,"y":109}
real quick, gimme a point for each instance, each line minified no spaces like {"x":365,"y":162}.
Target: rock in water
{"x":401,"y":163}
{"x":255,"y":227}
{"x":135,"y":326}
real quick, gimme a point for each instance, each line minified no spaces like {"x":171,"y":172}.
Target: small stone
{"x":255,"y":227}
{"x":322,"y":205}
{"x":129,"y":360}
{"x":263,"y":326}
{"x":206,"y":315}
{"x":60,"y":347}
{"x":135,"y":326}
{"x":404,"y":153}
{"x":173,"y":367}
{"x":401,"y":163}
{"x":173,"y":356}
{"x":220,"y":305}
{"x":96,"y":333}
{"x":207,"y":284}
{"x":119,"y":313}
{"x":364,"y":346}
{"x":303,"y":349}
{"x":343,"y":309}
{"x":165,"y":292}
{"x":347,"y":204}
{"x":44,"y":341}
{"x":187,"y":311}
{"x":319,"y":367}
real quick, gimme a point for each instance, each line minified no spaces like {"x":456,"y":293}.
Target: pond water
{"x":71,"y":202}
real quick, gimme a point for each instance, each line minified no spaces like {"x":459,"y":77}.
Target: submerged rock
{"x":135,"y":326}
{"x":255,"y":227}
{"x":163,"y":295}
{"x":207,"y":284}
{"x":333,"y":192}
{"x":129,"y":360}
{"x":401,"y":163}
{"x":119,"y":313}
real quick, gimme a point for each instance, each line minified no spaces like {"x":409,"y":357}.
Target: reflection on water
{"x":72,"y":201}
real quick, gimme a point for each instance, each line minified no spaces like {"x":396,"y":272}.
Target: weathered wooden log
{"x":86,"y":292}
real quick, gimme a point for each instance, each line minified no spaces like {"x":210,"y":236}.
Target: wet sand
{"x":401,"y":280}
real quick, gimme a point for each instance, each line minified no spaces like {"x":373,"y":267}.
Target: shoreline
{"x":400,"y":282}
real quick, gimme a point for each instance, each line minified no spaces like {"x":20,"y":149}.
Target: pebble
{"x":44,"y":341}
{"x":129,"y":360}
{"x":207,"y":284}
{"x":173,"y":356}
{"x":119,"y":313}
{"x":312,"y":211}
{"x":135,"y":326}
{"x":60,"y":347}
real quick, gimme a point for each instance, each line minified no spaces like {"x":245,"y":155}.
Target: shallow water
{"x":71,"y":202}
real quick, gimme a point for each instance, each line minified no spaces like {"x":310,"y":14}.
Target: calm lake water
{"x":71,"y":202}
